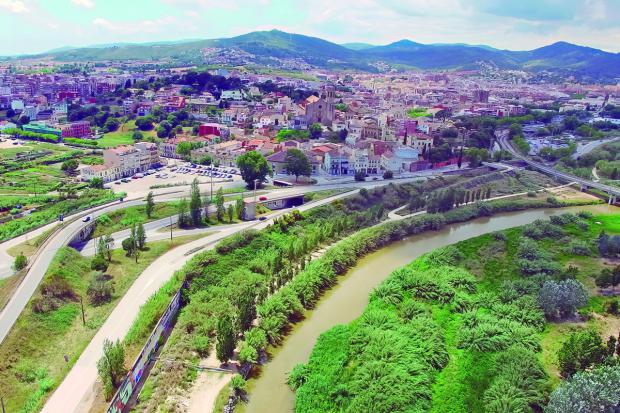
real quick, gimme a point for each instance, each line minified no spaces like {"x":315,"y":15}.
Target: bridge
{"x":611,"y":191}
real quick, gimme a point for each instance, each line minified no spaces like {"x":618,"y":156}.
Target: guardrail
{"x":120,"y":401}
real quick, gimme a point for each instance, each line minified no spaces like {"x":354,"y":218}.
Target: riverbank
{"x":345,"y":301}
{"x":477,"y":322}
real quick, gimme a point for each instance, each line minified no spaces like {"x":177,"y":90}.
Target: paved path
{"x":75,"y":393}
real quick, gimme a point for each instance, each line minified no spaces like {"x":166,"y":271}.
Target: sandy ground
{"x":208,"y":385}
{"x":570,"y":194}
{"x":205,"y":390}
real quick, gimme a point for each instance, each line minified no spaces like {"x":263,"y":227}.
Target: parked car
{"x":262,"y":198}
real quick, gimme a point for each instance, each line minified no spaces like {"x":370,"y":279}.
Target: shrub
{"x":99,"y":263}
{"x":100,"y":289}
{"x":595,"y":391}
{"x":581,"y":351}
{"x":20,"y":262}
{"x":562,"y":298}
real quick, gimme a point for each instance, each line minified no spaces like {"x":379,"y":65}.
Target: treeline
{"x":42,"y":137}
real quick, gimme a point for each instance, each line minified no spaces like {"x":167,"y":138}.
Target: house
{"x":399,"y":160}
{"x":80,"y":129}
{"x":277,"y":161}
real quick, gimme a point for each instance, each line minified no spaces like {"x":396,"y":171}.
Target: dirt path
{"x":205,"y":390}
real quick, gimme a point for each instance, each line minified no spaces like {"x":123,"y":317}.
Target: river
{"x":347,"y":299}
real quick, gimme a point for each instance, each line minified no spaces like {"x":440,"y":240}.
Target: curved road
{"x":75,"y":393}
{"x":505,"y":144}
{"x":72,"y":225}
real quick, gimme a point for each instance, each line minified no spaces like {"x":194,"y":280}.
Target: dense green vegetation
{"x":50,"y":211}
{"x":462,"y":330}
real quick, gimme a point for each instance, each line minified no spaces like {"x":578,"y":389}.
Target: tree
{"x":604,"y":279}
{"x":99,"y":263}
{"x":226,"y":339}
{"x":240,"y":208}
{"x":111,"y":124}
{"x":316,"y":130}
{"x":230,"y":212}
{"x":137,"y":136}
{"x":20,"y":262}
{"x":128,"y":245}
{"x":108,"y":245}
{"x":184,"y":149}
{"x":360,"y":176}
{"x":238,"y":384}
{"x":69,"y":166}
{"x":144,"y":123}
{"x":581,"y":351}
{"x":111,"y":366}
{"x":140,"y":237}
{"x":560,"y":298}
{"x":476,"y":156}
{"x":219,"y":204}
{"x":183,"y":217}
{"x":297,"y":163}
{"x":595,"y":391}
{"x":96,"y":183}
{"x":195,"y":204}
{"x":253,"y":166}
{"x":388,"y":175}
{"x":100,"y":289}
{"x":150,"y":205}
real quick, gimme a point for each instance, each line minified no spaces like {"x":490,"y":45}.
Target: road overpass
{"x":612,"y":192}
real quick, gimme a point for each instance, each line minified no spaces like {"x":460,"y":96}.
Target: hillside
{"x":270,"y":46}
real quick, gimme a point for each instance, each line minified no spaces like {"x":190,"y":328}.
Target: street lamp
{"x":255,"y":182}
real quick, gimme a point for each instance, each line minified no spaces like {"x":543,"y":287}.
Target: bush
{"x":595,"y":391}
{"x":20,"y":262}
{"x":100,"y":289}
{"x":99,"y":263}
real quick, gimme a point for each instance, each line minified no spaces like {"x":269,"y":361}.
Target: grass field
{"x":125,"y":218}
{"x":417,"y":113}
{"x":122,"y":136}
{"x":38,"y":179}
{"x":32,"y":355}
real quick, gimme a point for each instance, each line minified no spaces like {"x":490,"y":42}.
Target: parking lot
{"x":182,"y":173}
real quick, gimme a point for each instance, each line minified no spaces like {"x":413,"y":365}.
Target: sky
{"x":32,"y":26}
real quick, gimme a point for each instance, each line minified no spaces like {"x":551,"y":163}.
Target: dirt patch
{"x":571,"y":194}
{"x":205,"y":390}
{"x":609,"y":324}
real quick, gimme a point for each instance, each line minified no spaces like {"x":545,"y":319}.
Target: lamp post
{"x":255,"y":182}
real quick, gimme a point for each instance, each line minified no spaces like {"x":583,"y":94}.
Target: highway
{"x":504,"y":143}
{"x":41,"y":261}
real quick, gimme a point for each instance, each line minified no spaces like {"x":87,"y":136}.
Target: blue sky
{"x":29,"y":26}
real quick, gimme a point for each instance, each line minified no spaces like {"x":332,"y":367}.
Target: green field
{"x":122,"y":136}
{"x":125,"y":218}
{"x":417,"y":113}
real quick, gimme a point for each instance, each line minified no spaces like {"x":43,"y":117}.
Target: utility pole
{"x":83,"y":316}
{"x":170,"y":228}
{"x":211,"y":176}
{"x":255,"y":182}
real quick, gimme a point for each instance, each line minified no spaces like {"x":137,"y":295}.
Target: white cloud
{"x":14,"y":6}
{"x":132,"y":27}
{"x":88,"y":4}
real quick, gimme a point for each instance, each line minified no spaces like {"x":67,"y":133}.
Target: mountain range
{"x":270,"y":46}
